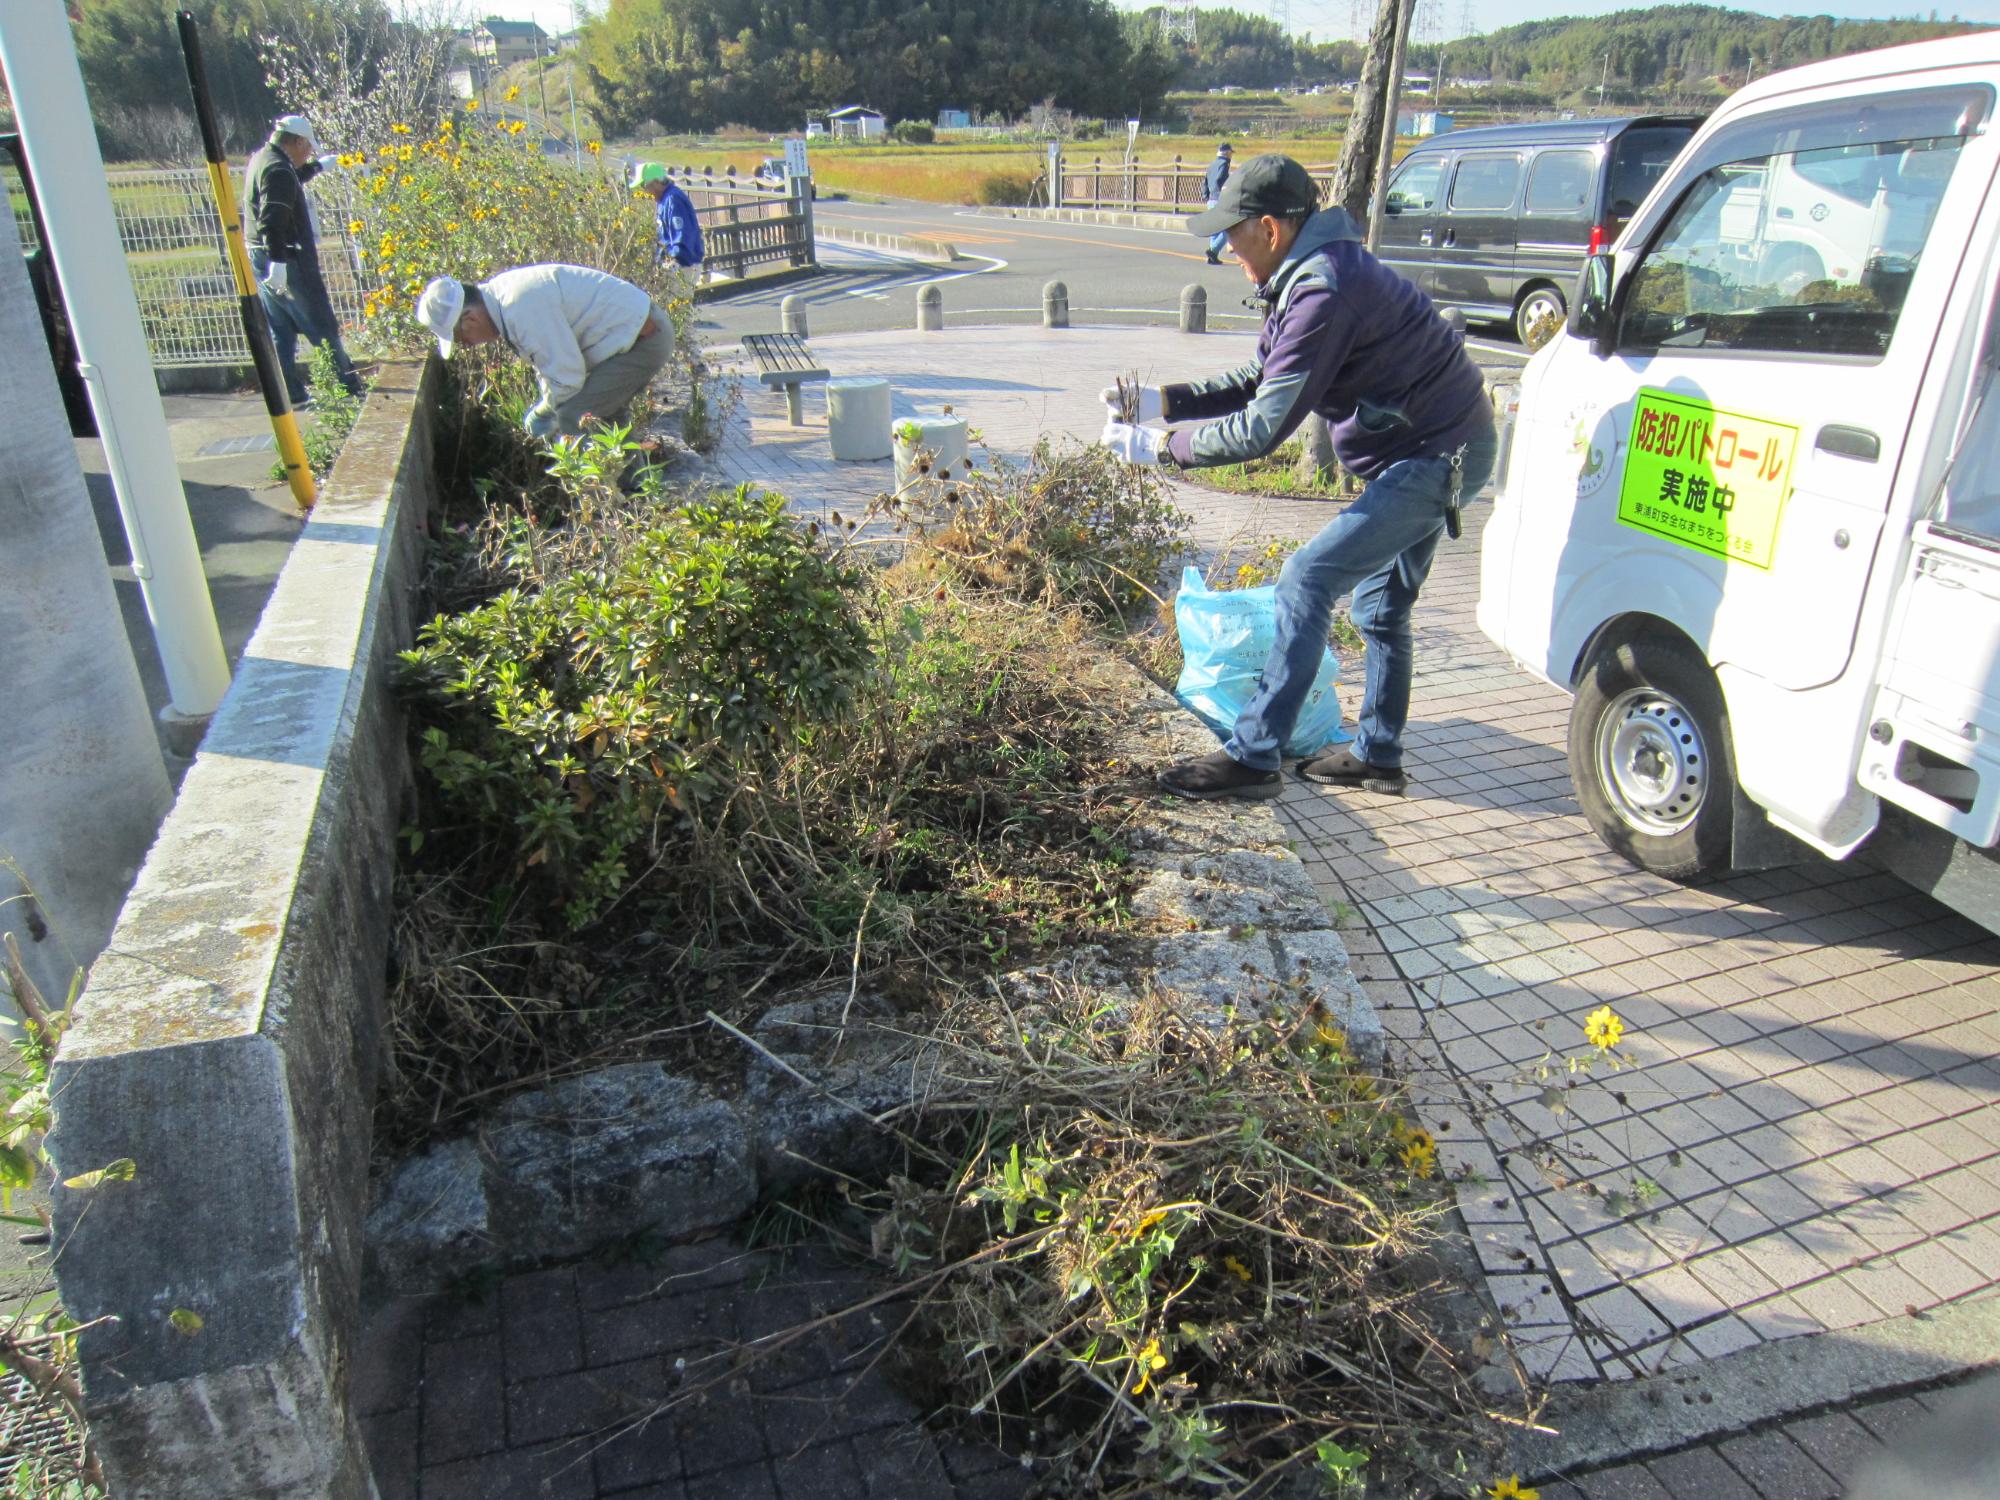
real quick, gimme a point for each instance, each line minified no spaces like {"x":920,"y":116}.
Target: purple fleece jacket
{"x":1347,"y":337}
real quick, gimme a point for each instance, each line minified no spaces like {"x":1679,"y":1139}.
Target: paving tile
{"x":1777,"y":1466}
{"x":560,"y":1472}
{"x":1701,"y":1474}
{"x":1837,"y":1442}
{"x":389,"y":1356}
{"x":746,"y":1482}
{"x":540,"y":1331}
{"x":391,"y":1440}
{"x":463,"y":1403}
{"x":1626,"y":1482}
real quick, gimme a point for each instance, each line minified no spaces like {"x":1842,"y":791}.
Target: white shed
{"x":858,"y":122}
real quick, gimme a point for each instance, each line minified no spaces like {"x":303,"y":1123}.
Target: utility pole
{"x":575,"y":137}
{"x":1393,"y":97}
{"x":1602,"y":79}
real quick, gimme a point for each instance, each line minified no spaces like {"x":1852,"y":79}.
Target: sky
{"x":1328,"y":20}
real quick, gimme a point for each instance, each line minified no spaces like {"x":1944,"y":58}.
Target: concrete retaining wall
{"x":228,"y":1040}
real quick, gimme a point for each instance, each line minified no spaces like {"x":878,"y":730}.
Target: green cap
{"x":1274,"y":185}
{"x":650,"y":171}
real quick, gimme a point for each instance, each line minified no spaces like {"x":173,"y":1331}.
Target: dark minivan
{"x":1497,"y":220}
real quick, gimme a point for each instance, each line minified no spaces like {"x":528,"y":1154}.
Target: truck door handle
{"x":1450,"y":238}
{"x":1849,"y":442}
{"x":1424,"y":238}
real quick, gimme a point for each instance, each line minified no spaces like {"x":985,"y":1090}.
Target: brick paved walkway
{"x":1809,"y":1141}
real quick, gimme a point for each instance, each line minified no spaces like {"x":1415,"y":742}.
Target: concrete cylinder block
{"x":1194,"y":309}
{"x":943,"y":439}
{"x":792,"y":312}
{"x":930,"y":308}
{"x":857,"y":416}
{"x":1055,"y":305}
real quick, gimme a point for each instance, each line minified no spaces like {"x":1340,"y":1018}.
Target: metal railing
{"x":1169,"y":187}
{"x":172,"y":238}
{"x":745,"y":224}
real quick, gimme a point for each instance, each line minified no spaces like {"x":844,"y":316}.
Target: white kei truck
{"x":1749,"y":513}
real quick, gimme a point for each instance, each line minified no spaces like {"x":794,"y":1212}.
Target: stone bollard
{"x":930,"y":308}
{"x":1454,"y":318}
{"x":792,"y":312}
{"x":1194,"y":309}
{"x":1055,"y":305}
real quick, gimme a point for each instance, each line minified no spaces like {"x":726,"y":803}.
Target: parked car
{"x":772,"y":170}
{"x":1496,"y":221}
{"x":1750,"y":513}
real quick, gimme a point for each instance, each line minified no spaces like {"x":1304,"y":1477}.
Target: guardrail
{"x":745,"y":224}
{"x":1170,"y":187}
{"x":172,"y":238}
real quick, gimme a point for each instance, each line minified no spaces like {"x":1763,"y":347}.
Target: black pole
{"x":256,"y":327}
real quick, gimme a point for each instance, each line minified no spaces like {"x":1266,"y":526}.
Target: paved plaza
{"x":1806,"y":1143}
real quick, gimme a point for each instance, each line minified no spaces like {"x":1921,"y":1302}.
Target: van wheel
{"x":1541,"y":302}
{"x":1649,"y":753}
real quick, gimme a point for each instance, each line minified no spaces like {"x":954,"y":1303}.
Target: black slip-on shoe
{"x":1342,"y":767}
{"x":1217,"y":774}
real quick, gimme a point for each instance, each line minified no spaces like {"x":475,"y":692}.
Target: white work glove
{"x":277,"y":277}
{"x":328,"y":162}
{"x":1152,"y":406}
{"x":541,"y":422}
{"x":1136,"y":445}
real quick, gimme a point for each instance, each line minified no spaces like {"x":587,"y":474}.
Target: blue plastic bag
{"x":1226,"y":636}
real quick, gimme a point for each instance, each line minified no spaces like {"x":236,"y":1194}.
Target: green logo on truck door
{"x":1708,"y":479}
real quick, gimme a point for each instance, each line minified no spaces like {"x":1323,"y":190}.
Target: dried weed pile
{"x":1171,"y":1260}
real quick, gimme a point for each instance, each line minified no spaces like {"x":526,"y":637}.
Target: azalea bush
{"x":470,"y":196}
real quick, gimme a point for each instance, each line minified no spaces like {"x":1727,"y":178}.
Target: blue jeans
{"x":305,"y":309}
{"x":1220,"y":239}
{"x":1380,"y":547}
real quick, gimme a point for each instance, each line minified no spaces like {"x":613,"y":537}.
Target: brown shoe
{"x":1342,"y":767}
{"x":1218,"y":774}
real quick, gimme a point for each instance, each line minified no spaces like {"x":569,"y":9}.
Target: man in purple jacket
{"x":1350,"y":339}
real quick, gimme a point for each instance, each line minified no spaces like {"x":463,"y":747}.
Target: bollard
{"x":1055,"y":305}
{"x":930,"y":308}
{"x":1454,"y":318}
{"x":792,"y":314}
{"x":1194,"y":309}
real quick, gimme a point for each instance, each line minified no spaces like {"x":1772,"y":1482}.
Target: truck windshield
{"x":1801,"y":251}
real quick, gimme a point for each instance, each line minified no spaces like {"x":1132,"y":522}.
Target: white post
{"x":575,"y":141}
{"x":39,"y":59}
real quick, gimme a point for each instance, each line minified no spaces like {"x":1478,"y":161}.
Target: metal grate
{"x":258,"y":442}
{"x":31,"y":1428}
{"x":172,"y":237}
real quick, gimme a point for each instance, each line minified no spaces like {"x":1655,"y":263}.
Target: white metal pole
{"x":53,"y":117}
{"x":575,"y":141}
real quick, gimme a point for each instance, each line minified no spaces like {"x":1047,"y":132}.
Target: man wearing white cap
{"x":595,"y":340}
{"x":285,"y":251}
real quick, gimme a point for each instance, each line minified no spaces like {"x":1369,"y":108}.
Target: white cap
{"x":438,"y":308}
{"x":297,"y":125}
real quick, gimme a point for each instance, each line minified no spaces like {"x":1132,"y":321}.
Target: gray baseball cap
{"x":1272,"y":184}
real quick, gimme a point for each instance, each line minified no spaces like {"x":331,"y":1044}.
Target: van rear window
{"x":1639,"y":159}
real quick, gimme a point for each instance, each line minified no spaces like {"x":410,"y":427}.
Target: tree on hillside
{"x":696,"y":64}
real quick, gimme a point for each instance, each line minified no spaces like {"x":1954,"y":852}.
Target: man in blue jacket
{"x":1214,"y":181}
{"x":1347,"y":337}
{"x":679,"y":229}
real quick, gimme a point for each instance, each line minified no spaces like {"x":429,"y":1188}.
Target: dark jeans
{"x":1380,"y":547}
{"x":304,"y":310}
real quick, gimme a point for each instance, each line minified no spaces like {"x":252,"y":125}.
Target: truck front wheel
{"x":1649,"y":753}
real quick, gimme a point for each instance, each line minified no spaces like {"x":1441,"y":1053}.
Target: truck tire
{"x":1650,"y":755}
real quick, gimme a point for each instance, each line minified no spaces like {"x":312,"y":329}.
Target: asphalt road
{"x":1113,"y":275}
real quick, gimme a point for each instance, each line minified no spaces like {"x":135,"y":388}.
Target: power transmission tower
{"x":1177,"y":23}
{"x":1360,"y":14}
{"x":1281,"y":16}
{"x":1468,"y":19}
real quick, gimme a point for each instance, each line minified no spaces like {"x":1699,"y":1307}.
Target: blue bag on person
{"x":1226,"y":636}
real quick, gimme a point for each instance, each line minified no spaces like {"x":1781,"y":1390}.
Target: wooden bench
{"x":783,"y":359}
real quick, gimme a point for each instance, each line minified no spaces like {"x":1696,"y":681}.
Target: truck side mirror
{"x":1590,"y":309}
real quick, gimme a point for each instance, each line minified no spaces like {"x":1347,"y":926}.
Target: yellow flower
{"x":355,"y":226}
{"x":451,"y":225}
{"x":512,"y":94}
{"x":471,"y":104}
{"x":1420,"y":1155}
{"x":444,"y":127}
{"x":1603,"y":1028}
{"x":593,"y":147}
{"x":1150,"y":1359}
{"x":1236,"y":1268}
{"x":1511,"y":1488}
{"x":400,"y":128}
{"x":1329,"y":1035}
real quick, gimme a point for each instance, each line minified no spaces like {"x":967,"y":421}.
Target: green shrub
{"x":582,"y":723}
{"x":1006,"y":189}
{"x":914,"y":132}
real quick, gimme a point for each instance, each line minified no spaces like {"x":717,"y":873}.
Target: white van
{"x":1750,"y":514}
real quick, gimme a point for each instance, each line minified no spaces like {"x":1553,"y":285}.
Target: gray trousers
{"x":610,"y":386}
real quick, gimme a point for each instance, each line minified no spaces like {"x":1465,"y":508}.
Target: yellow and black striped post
{"x":256,"y":327}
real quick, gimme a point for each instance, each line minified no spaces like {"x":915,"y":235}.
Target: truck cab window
{"x":1808,"y":251}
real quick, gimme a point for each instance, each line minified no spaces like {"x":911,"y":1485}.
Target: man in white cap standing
{"x":284,"y":251}
{"x":595,"y":340}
